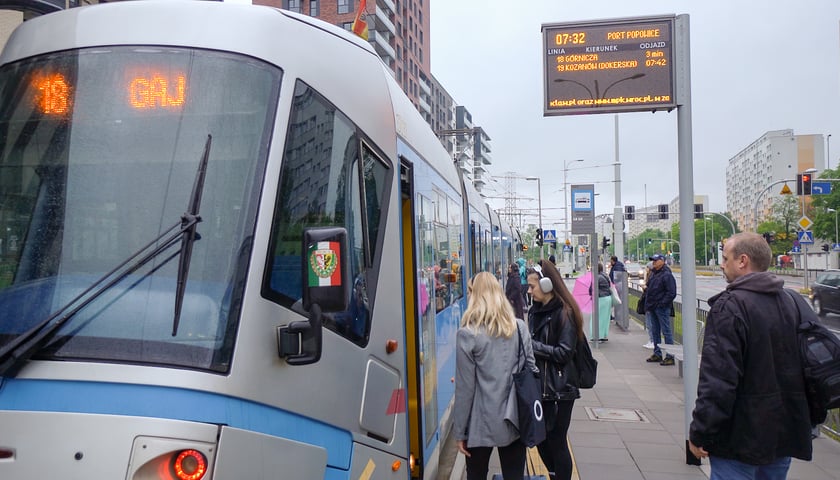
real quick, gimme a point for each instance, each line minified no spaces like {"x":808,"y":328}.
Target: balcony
{"x":424,"y":86}
{"x":387,"y":4}
{"x":424,"y":105}
{"x":383,"y":22}
{"x":382,"y":47}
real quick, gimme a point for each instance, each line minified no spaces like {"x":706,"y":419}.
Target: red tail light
{"x":190,"y":465}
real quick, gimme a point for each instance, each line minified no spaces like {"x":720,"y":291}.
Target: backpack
{"x":587,"y":366}
{"x":819,"y":352}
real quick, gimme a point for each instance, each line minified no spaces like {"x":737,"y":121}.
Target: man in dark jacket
{"x":659,"y":298}
{"x":616,"y":265}
{"x":751,"y":414}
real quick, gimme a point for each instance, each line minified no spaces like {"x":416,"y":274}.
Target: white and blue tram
{"x":229,"y":248}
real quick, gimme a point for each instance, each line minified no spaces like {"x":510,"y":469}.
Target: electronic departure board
{"x":609,"y":66}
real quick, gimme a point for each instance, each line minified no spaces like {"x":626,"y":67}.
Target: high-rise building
{"x":473,"y":148}
{"x":397,"y":29}
{"x":399,"y":32}
{"x":751,"y":174}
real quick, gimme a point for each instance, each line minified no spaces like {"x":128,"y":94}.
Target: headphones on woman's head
{"x":545,"y":282}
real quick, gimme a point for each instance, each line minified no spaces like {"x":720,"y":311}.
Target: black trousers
{"x":554,"y":451}
{"x":511,"y":457}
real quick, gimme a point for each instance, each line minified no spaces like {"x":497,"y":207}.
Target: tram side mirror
{"x":326,"y":288}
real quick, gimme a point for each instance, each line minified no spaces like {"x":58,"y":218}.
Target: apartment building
{"x":755,"y":175}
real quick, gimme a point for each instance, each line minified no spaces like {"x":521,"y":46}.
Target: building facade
{"x":752,"y":174}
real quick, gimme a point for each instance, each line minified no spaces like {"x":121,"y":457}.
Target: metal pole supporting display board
{"x":593,"y":270}
{"x":686,"y":182}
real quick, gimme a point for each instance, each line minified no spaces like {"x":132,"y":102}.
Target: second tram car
{"x":231,"y":248}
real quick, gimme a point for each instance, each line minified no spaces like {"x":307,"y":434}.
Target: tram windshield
{"x":99,"y":150}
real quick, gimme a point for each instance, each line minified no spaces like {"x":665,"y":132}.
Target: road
{"x":709,"y":285}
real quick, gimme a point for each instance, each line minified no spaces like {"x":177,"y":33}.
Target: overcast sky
{"x":756,"y":66}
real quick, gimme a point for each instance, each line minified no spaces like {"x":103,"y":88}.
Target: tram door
{"x":412,"y":279}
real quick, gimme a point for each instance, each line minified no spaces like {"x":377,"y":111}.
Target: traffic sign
{"x":820,"y":188}
{"x":805,"y":223}
{"x":836,"y":247}
{"x":796,"y":249}
{"x":550,"y":236}
{"x":567,"y":248}
{"x":805,"y":237}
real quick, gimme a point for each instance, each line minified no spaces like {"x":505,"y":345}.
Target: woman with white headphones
{"x":556,"y":326}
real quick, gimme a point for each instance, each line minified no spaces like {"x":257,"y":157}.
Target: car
{"x":825,"y":293}
{"x":634,"y":270}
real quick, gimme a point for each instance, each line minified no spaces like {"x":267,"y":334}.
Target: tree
{"x":824,"y":221}
{"x":786,"y":210}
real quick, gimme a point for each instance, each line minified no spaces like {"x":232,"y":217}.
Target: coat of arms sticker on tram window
{"x":324,"y":268}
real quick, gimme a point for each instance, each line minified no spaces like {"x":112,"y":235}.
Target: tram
{"x":231,"y":248}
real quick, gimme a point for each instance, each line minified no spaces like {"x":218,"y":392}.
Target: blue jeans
{"x":728,"y":469}
{"x":660,"y":326}
{"x":649,"y":328}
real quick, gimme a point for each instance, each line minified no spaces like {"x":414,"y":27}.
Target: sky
{"x":756,"y":66}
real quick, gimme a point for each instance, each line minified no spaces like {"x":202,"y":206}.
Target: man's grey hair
{"x":754,"y":246}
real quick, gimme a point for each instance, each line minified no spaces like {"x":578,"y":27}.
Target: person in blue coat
{"x":659,"y":298}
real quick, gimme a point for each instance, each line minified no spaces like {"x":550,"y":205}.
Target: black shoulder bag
{"x":528,"y":395}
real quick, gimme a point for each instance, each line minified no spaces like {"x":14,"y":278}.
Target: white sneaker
{"x":648,"y":345}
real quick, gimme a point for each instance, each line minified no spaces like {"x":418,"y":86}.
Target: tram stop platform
{"x":631,"y":426}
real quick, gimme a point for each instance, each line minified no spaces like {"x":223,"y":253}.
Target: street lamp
{"x":560,"y":80}
{"x":566,"y":195}
{"x":828,"y":153}
{"x":539,"y":208}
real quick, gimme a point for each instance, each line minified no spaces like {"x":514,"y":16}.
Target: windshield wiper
{"x":188,"y":224}
{"x":14,"y":354}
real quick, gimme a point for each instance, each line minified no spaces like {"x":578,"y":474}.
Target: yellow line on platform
{"x":535,"y":466}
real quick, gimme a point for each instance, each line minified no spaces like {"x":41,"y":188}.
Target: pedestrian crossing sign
{"x":805,"y":236}
{"x":550,"y":236}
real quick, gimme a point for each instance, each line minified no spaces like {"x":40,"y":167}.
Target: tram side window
{"x":456,"y":228}
{"x":445,"y":231}
{"x":427,"y":244}
{"x":329,"y":178}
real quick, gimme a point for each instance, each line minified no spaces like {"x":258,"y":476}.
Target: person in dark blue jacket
{"x":659,"y":298}
{"x":616,"y":265}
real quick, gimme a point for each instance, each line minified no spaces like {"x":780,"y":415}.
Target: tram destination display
{"x":609,"y":66}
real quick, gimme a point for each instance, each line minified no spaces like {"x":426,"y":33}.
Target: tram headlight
{"x":189,"y":465}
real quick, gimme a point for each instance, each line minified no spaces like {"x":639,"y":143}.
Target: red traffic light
{"x":806,"y":178}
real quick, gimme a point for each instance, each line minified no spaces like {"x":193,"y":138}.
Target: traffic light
{"x":803,"y":183}
{"x":524,"y":248}
{"x":698,"y":211}
{"x":629,"y":212}
{"x":539,"y":239}
{"x":663,"y":211}
{"x":605,"y":242}
{"x":825,"y":247}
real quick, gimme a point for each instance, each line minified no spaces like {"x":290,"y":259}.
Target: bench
{"x":677,"y":350}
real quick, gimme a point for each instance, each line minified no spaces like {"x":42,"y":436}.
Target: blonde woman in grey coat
{"x":487,"y":354}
